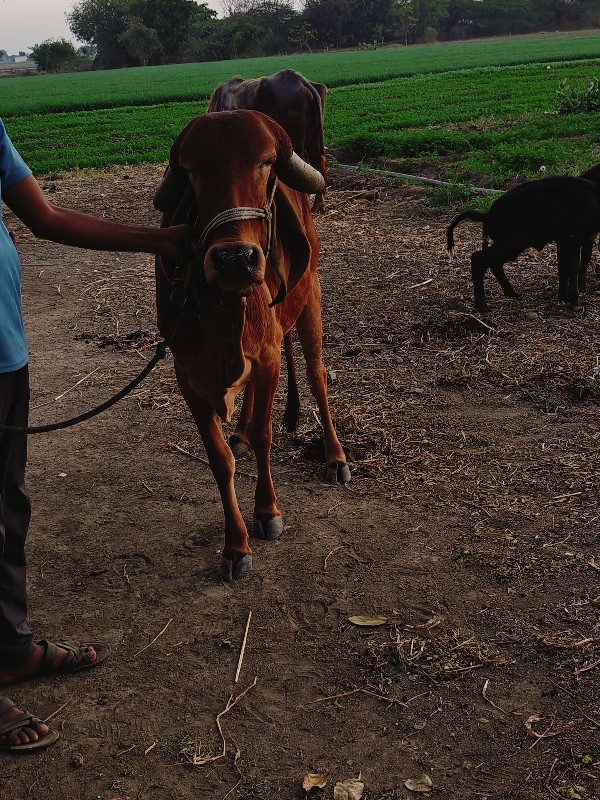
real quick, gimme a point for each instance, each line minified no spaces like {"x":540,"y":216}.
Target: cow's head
{"x":231,"y":160}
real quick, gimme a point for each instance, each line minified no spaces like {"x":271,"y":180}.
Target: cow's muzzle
{"x":234,"y":267}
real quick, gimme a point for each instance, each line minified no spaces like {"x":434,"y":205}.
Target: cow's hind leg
{"x":236,"y":561}
{"x":267,"y":522}
{"x":310,"y":332}
{"x":238,"y":441}
{"x":292,"y":401}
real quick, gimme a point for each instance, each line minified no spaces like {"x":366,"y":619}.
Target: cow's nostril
{"x":231,"y":259}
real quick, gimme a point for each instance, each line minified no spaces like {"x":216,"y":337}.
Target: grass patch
{"x":497,"y":121}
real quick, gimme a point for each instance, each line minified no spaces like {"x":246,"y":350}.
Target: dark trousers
{"x":16,"y":640}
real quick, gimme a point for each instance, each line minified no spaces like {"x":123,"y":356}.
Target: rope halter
{"x":267,"y":213}
{"x":241,"y":213}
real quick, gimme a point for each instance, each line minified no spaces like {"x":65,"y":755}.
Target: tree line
{"x":121,"y":33}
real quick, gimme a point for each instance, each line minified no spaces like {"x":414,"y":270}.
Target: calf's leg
{"x":568,"y":251}
{"x":493,"y":258}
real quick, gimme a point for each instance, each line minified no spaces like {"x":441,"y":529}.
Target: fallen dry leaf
{"x":361,"y":619}
{"x":352,"y":789}
{"x":422,"y":783}
{"x":313,"y":781}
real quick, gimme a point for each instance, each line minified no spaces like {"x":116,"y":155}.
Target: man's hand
{"x":174,"y":240}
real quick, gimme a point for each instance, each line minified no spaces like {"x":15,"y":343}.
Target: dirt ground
{"x":470,"y":529}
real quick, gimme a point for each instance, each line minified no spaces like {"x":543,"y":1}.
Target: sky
{"x":24,"y":23}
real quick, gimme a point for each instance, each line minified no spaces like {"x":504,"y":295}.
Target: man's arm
{"x":65,"y":226}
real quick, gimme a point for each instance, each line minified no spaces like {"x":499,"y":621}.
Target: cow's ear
{"x":170,"y":190}
{"x":175,"y":181}
{"x":294,"y":243}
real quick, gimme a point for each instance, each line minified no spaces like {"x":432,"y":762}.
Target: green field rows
{"x":493,"y":121}
{"x":181,"y":82}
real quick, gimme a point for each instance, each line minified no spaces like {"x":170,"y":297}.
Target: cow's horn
{"x":299,"y":175}
{"x":170,"y":191}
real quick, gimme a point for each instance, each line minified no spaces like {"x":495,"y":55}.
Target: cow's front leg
{"x":310,"y":332}
{"x":267,"y":522}
{"x":236,"y":561}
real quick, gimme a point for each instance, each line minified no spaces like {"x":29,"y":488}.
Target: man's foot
{"x":19,"y":731}
{"x":49,"y":658}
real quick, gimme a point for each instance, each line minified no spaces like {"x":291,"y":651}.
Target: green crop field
{"x":485,"y":109}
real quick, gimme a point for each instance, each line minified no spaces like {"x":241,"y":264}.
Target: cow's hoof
{"x":266,"y":526}
{"x":236,"y":568}
{"x":338,"y":472}
{"x":238,"y":446}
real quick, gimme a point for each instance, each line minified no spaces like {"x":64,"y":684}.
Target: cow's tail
{"x":475,"y":216}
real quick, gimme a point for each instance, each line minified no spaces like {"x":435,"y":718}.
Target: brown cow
{"x":252,"y":276}
{"x":290,"y":99}
{"x":297,"y":105}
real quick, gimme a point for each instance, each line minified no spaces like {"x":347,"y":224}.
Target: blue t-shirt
{"x":13,"y":346}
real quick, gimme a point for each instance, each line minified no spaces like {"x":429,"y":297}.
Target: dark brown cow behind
{"x":290,"y":99}
{"x":252,"y":275}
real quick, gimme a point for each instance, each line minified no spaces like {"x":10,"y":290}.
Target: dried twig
{"x":60,"y":396}
{"x":205,"y":461}
{"x":383,"y":698}
{"x":58,"y":710}
{"x":155,"y":638}
{"x":243,"y":650}
{"x":236,"y":760}
{"x":330,"y":553}
{"x":587,"y":668}
{"x":417,"y":285}
{"x":485,"y":697}
{"x":198,"y":762}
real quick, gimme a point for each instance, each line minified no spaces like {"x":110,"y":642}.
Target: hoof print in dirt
{"x":266,"y":527}
{"x":238,"y":446}
{"x":234,"y":569}
{"x":338,"y":473}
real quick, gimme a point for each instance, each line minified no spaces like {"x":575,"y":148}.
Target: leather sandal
{"x":14,"y":726}
{"x":78,"y":658}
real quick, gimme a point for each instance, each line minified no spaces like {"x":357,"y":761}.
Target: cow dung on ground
{"x":469,"y":532}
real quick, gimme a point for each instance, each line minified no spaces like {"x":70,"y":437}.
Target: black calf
{"x":564,"y":210}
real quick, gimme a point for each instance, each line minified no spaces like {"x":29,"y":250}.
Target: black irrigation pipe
{"x":431,"y":181}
